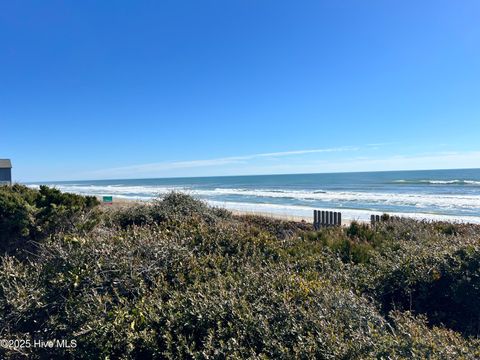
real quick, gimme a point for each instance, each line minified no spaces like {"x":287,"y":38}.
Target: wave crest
{"x":439,"y":182}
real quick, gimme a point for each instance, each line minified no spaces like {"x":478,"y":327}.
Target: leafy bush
{"x":414,"y":339}
{"x":360,"y":232}
{"x":61,"y":212}
{"x":174,"y":207}
{"x":17,"y":219}
{"x":427,"y":272}
{"x":28,"y":214}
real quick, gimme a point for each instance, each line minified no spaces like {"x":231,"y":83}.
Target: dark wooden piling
{"x":326,"y":218}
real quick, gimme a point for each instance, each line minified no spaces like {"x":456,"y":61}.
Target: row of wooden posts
{"x":374,"y":219}
{"x":332,"y":218}
{"x":326,"y":218}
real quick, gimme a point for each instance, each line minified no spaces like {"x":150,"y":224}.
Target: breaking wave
{"x":439,"y":182}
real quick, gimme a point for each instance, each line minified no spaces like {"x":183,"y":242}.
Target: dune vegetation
{"x":179,"y":279}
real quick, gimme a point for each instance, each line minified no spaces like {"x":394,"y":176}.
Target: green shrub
{"x":279,"y":228}
{"x":17,"y":220}
{"x":447,"y":229}
{"x":431,"y":275}
{"x":61,"y":212}
{"x":27,"y":214}
{"x":173,"y":207}
{"x":346,"y":244}
{"x":361,"y":232}
{"x":413,"y":338}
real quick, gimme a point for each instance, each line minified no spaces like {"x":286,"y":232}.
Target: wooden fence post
{"x":322,"y":218}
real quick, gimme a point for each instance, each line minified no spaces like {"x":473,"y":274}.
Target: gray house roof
{"x":5,"y":164}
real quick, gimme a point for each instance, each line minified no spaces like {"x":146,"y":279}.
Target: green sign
{"x":108,"y":199}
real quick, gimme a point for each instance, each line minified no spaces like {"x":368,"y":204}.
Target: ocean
{"x":432,"y":194}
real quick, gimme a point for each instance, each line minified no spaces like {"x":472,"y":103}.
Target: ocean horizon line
{"x":247,"y":175}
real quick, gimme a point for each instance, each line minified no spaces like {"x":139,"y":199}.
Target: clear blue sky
{"x":113,"y":89}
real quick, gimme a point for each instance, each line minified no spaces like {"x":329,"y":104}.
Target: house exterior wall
{"x":5,"y":175}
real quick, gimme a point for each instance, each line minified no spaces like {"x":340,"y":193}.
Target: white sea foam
{"x":472,"y":182}
{"x":439,"y":182}
{"x":397,"y":199}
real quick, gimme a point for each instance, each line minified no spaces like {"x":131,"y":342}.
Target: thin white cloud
{"x":439,"y":160}
{"x":425,"y":161}
{"x":302,"y":152}
{"x":343,"y":159}
{"x":161,"y":167}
